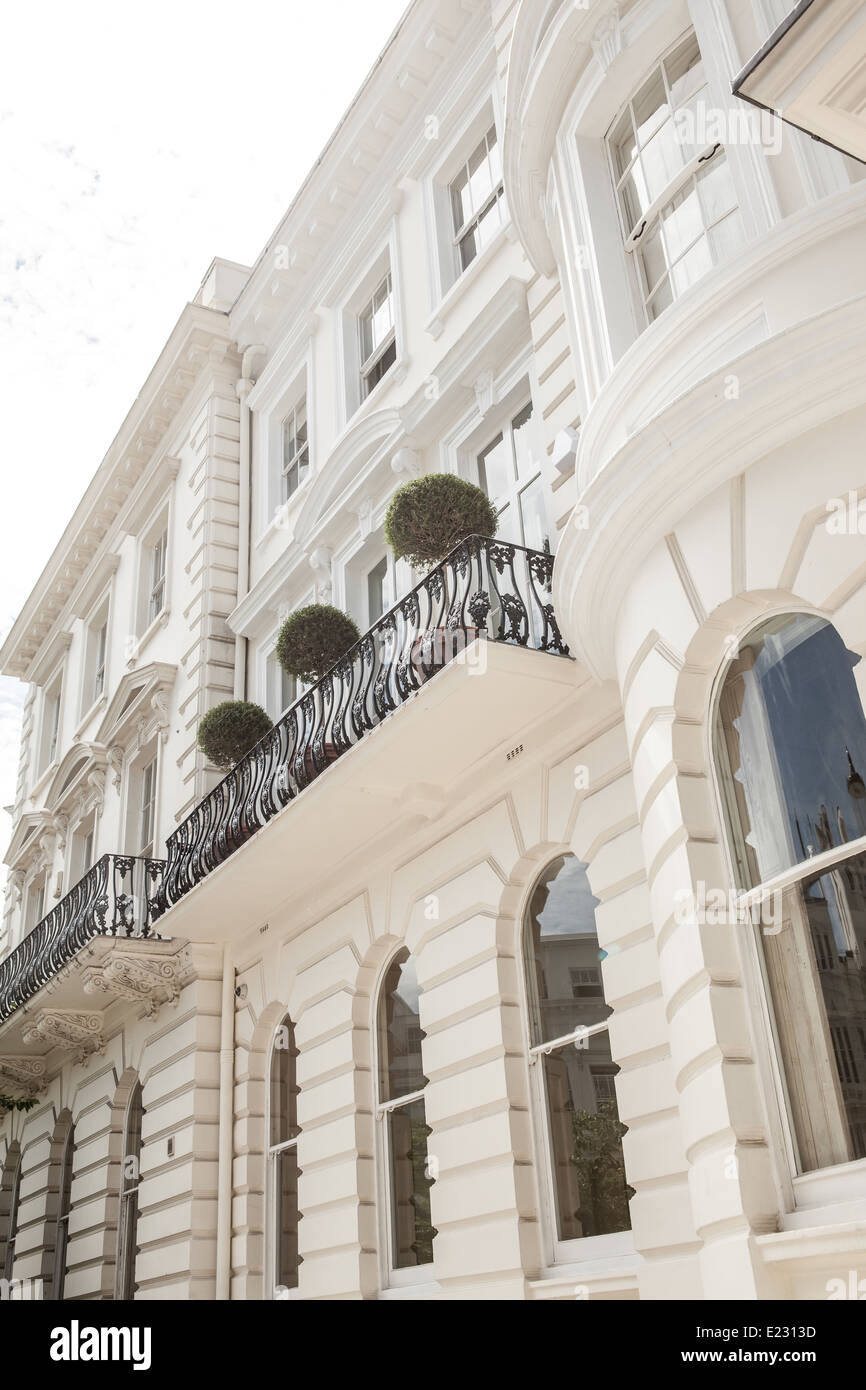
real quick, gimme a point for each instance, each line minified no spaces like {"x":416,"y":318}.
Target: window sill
{"x":610,"y":1266}
{"x":435,"y":325}
{"x":161,"y":620}
{"x":393,"y":377}
{"x":429,"y":1289}
{"x":284,"y":515}
{"x":830,"y":1196}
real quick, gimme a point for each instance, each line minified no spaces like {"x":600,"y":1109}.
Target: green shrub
{"x":313,"y":638}
{"x":428,"y":516}
{"x":228,"y":732}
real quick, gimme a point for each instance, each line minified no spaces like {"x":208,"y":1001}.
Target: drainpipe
{"x":226,"y":1124}
{"x":247,"y":381}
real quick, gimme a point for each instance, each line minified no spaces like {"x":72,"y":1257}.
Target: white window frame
{"x":384,"y":290}
{"x":156,"y":601}
{"x":96,"y":661}
{"x":146,"y":810}
{"x":157,"y":529}
{"x":389,"y":1277}
{"x":299,"y":463}
{"x":583,"y":1249}
{"x":383,"y":259}
{"x":272,"y":1205}
{"x":64,"y":1208}
{"x":127,"y":1204}
{"x":798,"y":1192}
{"x":51,"y":722}
{"x":462,"y":231}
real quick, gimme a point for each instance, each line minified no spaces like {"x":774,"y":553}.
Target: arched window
{"x":130,"y":1181}
{"x":403,"y":1116}
{"x":9,"y":1188}
{"x":60,"y":1185}
{"x":790,"y":752}
{"x":573,"y":1071}
{"x":283,"y":1170}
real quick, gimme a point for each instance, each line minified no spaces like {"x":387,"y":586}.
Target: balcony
{"x":113,"y":900}
{"x":487,"y":597}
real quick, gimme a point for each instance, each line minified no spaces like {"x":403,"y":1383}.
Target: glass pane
{"x":563,"y":971}
{"x":650,"y":108}
{"x":561,"y":938}
{"x":681,"y":223}
{"x":495,"y":468}
{"x":489,"y":223}
{"x":366,"y":326}
{"x":716,"y":190}
{"x":534,"y":516}
{"x":376,"y":590}
{"x":623,"y":143}
{"x":791,"y":746}
{"x":693,"y":265}
{"x":468,"y":249}
{"x":634,"y":197}
{"x":284,"y":1087}
{"x":400,"y":1035}
{"x":660,"y":300}
{"x":461,"y":200}
{"x":413,"y":1230}
{"x":287,"y":1215}
{"x":652,"y":257}
{"x":523,"y":451}
{"x":480,"y":182}
{"x":814,"y":945}
{"x":592,"y":1195}
{"x":661,"y":161}
{"x":494,"y":156}
{"x":685,"y":71}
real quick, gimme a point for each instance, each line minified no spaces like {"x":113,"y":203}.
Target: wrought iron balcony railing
{"x":114,"y":898}
{"x":484,"y":589}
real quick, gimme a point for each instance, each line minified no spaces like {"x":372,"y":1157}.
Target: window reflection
{"x":791,"y":742}
{"x":566,"y":996}
{"x":283,"y":1154}
{"x":402,"y":1079}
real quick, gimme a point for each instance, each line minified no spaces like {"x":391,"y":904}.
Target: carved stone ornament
{"x":26,"y":1072}
{"x":70,"y":1029}
{"x":115,"y":762}
{"x":607,"y":40}
{"x":149,"y":980}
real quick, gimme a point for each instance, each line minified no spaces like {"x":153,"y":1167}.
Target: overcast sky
{"x":137,"y":142}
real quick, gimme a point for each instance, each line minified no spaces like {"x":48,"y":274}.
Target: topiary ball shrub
{"x":428,"y":516}
{"x":228,"y":732}
{"x":313,"y":638}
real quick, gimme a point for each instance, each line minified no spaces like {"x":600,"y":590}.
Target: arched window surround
{"x":802,"y":1184}
{"x":129,"y":1183}
{"x":556,"y":1251}
{"x":390,"y":1275}
{"x":281,"y":1152}
{"x":60,"y":1175}
{"x":10,"y":1191}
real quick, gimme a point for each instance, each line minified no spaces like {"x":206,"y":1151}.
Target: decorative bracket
{"x":69,"y":1029}
{"x":140,"y":979}
{"x":26,"y":1072}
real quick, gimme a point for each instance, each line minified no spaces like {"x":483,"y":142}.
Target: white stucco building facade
{"x":539,"y":975}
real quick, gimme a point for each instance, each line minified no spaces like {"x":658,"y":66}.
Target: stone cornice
{"x":199,"y":339}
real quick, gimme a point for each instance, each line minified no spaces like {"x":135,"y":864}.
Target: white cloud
{"x":137,"y":142}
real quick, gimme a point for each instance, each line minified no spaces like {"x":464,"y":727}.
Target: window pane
{"x":693,"y":265}
{"x":534,"y":516}
{"x":623,"y":143}
{"x":524,"y":455}
{"x":561,"y":938}
{"x":727,"y":237}
{"x":716,"y":189}
{"x":413,"y":1230}
{"x":660,"y":300}
{"x":480,"y":182}
{"x":400,"y":1035}
{"x":650,"y":108}
{"x":287,"y":1217}
{"x":586,"y":1141}
{"x":791,"y":746}
{"x":495,"y":468}
{"x":634,"y":197}
{"x":376,"y":590}
{"x":685,"y":71}
{"x":681,"y":223}
{"x":651,"y":254}
{"x":461,"y":200}
{"x":661,"y":161}
{"x":284,"y":1088}
{"x":565,"y":991}
{"x":489,"y":223}
{"x":815,"y":954}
